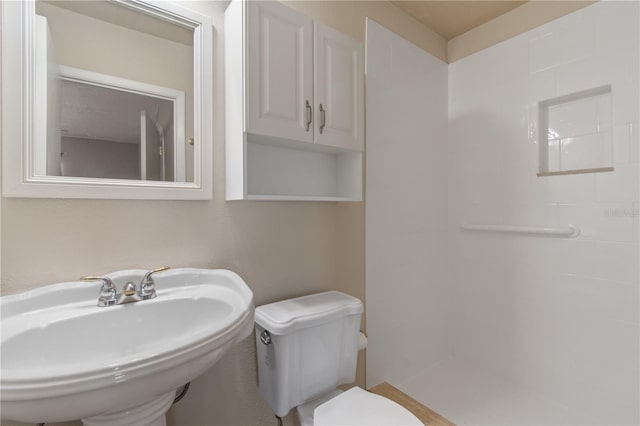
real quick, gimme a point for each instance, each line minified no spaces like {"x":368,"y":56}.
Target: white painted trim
{"x":143,"y":145}
{"x":122,"y":84}
{"x":18,"y":124}
{"x":39,"y":140}
{"x":259,"y":197}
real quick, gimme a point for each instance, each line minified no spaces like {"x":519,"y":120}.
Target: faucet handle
{"x":147,"y":286}
{"x":107,"y":291}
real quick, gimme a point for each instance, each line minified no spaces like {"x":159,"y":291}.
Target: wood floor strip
{"x":425,"y":414}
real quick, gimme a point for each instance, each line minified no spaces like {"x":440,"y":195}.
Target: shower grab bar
{"x":570,"y":231}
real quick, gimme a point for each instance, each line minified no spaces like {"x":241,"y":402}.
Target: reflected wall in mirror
{"x":114,"y":90}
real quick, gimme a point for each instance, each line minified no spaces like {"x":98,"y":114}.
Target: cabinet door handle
{"x":309,"y":116}
{"x":322,"y":118}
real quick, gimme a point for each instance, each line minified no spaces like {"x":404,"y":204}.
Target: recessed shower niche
{"x":575,"y":133}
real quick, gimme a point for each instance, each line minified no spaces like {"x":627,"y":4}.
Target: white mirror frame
{"x":18,"y":125}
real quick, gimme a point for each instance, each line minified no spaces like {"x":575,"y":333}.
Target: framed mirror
{"x":106,"y":99}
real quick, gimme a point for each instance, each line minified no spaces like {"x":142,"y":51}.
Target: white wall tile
{"x":544,"y":52}
{"x":635,"y":215}
{"x":581,"y":75}
{"x":625,"y":103}
{"x":600,"y":299}
{"x":621,"y":143}
{"x":532,"y":214}
{"x":574,"y":118}
{"x":553,"y":155}
{"x":559,"y":316}
{"x":606,"y":222}
{"x":380,"y":64}
{"x":600,"y":259}
{"x":634,"y":150}
{"x":406,"y":218}
{"x":616,"y":25}
{"x":586,"y":151}
{"x":543,"y":85}
{"x":571,"y":189}
{"x":618,"y":186}
{"x":575,"y":36}
{"x":552,"y":315}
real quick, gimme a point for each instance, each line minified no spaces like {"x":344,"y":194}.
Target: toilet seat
{"x":359,"y":407}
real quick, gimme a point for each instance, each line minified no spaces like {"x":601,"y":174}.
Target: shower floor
{"x":469,"y":396}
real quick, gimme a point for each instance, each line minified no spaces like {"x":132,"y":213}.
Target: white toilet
{"x":308,"y":346}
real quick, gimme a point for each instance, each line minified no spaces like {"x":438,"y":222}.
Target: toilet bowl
{"x":306,"y":348}
{"x":355,"y":406}
{"x":359,"y":407}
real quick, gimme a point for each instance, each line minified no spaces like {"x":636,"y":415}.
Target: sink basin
{"x":64,"y":358}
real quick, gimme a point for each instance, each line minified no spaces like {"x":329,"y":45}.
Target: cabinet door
{"x":339,"y":88}
{"x":279,"y":71}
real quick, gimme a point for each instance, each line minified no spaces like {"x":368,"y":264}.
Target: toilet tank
{"x":306,"y":347}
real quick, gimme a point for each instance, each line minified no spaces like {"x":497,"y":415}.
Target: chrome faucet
{"x":130,"y":293}
{"x":108,"y":294}
{"x":147,"y":286}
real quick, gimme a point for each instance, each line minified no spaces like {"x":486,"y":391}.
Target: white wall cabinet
{"x":294,"y":106}
{"x":279,"y":67}
{"x":339,"y":87}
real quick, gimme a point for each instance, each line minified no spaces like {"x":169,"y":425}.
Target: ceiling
{"x":90,"y":111}
{"x":452,"y":18}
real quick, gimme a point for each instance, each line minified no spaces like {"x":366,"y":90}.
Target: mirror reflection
{"x":115,"y":89}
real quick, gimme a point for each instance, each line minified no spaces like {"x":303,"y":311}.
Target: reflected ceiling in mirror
{"x":117,"y":88}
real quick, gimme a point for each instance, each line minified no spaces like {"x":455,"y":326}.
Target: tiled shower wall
{"x":406,"y":206}
{"x":558,"y":316}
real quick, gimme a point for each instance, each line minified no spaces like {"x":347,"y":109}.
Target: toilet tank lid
{"x":290,"y":315}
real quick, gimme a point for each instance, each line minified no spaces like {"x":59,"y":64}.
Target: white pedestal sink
{"x":64,"y":358}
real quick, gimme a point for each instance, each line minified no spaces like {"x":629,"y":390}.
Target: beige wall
{"x":100,"y":159}
{"x":281,"y":249}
